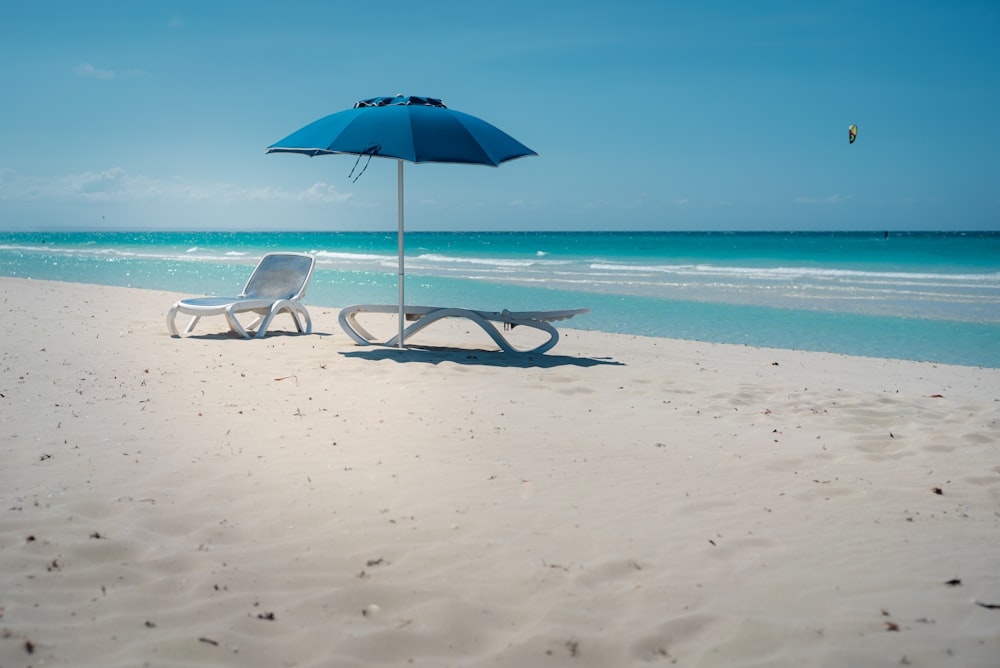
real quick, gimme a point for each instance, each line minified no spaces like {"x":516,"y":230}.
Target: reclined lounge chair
{"x":423,"y":316}
{"x":277,"y":284}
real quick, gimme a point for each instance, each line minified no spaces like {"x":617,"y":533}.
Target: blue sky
{"x":654,"y":115}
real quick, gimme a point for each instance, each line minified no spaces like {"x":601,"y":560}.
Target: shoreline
{"x":930,"y":297}
{"x":620,"y":500}
{"x":896,"y":328}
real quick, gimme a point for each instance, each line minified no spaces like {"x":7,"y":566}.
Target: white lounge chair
{"x":423,"y":316}
{"x":277,"y":284}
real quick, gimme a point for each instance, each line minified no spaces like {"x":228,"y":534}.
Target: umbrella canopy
{"x":415,"y":129}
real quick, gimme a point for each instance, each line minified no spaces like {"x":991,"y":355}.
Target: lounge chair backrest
{"x":280,"y":276}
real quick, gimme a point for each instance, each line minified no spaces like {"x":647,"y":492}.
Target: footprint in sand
{"x":675,"y":638}
{"x":610,"y":571}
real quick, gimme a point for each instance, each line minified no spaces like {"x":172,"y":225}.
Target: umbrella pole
{"x":399,"y":196}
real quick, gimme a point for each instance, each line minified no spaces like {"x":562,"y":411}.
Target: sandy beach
{"x":619,"y":501}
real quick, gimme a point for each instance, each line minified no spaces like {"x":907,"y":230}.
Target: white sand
{"x":620,"y":501}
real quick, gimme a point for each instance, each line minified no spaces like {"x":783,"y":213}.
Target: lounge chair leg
{"x":171,"y":318}
{"x":306,"y":319}
{"x":235,"y":325}
{"x":349,"y":323}
{"x":262,"y":328}
{"x":265,"y":320}
{"x":254,"y":325}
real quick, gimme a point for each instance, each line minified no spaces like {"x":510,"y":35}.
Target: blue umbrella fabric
{"x":410,"y":128}
{"x":416,"y":129}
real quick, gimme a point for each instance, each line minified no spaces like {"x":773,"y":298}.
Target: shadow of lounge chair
{"x":277,"y":284}
{"x":423,"y":316}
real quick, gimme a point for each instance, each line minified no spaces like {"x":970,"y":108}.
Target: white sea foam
{"x":497,"y":262}
{"x":787,"y":272}
{"x":338,"y":256}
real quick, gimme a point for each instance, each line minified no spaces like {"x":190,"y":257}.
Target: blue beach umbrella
{"x":417,"y":129}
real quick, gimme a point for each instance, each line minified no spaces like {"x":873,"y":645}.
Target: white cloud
{"x":115,"y":185}
{"x":318,"y":192}
{"x":87,"y":70}
{"x":606,"y":205}
{"x":830,"y":199}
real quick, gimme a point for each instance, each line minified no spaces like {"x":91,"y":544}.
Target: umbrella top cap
{"x":402,"y":100}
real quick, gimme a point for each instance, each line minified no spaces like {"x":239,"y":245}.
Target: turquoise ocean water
{"x":918,"y":296}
